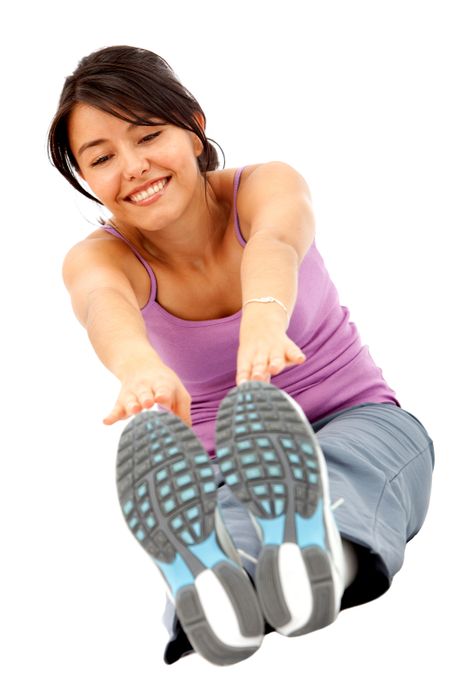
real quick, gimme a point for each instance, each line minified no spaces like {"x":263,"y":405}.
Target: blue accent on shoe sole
{"x":168,"y":505}
{"x":142,"y":489}
{"x":243,"y":445}
{"x":310,"y":531}
{"x":208,"y":551}
{"x":189,"y":494}
{"x":184,"y":480}
{"x":273,"y":530}
{"x":127,"y":509}
{"x":201,"y":459}
{"x":177,"y":573}
{"x":165,"y":490}
{"x":222,"y":452}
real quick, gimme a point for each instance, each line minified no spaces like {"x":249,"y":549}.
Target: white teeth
{"x":145,"y":194}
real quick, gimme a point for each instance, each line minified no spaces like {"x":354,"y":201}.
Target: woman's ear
{"x":198,"y":145}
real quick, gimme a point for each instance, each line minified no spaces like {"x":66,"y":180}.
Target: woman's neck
{"x":193,"y":244}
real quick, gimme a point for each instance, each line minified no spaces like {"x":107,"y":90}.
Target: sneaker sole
{"x":270,"y":459}
{"x":167,"y":492}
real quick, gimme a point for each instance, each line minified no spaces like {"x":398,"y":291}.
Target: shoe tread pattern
{"x":168,"y":495}
{"x":165,"y":483}
{"x":269,"y":461}
{"x":264,"y":451}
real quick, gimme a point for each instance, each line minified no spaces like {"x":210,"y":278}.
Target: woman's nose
{"x":135,"y":165}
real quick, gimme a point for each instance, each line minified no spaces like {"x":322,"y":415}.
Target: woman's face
{"x":120,"y":161}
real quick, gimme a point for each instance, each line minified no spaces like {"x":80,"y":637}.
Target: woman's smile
{"x":149,"y":195}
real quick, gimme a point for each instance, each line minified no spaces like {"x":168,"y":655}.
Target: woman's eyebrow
{"x":91,"y":144}
{"x":99,"y":141}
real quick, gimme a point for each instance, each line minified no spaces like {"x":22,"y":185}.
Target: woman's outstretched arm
{"x":104,"y":302}
{"x":276,"y":202}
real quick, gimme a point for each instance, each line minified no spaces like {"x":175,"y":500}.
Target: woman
{"x":200,"y":294}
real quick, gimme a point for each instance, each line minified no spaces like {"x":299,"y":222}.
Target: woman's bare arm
{"x":105,"y":303}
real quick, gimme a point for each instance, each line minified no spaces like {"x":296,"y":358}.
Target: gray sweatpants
{"x":380,"y":461}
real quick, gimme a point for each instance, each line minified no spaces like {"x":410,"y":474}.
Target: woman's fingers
{"x":183,"y":410}
{"x":242,"y":375}
{"x":164,"y":397}
{"x":123,"y":410}
{"x":146,"y":399}
{"x":295,"y":354}
{"x":178,"y":404}
{"x":259,"y":370}
{"x":116,"y":414}
{"x":251,"y":370}
{"x":276,"y":364}
{"x":132,"y":406}
{"x":258,"y":366}
{"x":141,"y":390}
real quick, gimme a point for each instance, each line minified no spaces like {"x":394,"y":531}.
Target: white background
{"x":354,"y":95}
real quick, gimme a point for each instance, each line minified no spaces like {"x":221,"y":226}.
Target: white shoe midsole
{"x":296,"y":587}
{"x":334,"y":538}
{"x":220,"y":613}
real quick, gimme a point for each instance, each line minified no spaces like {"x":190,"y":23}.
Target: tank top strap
{"x":147,"y":266}
{"x":237,"y":228}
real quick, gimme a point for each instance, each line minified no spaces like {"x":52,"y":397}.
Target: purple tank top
{"x":339,"y":371}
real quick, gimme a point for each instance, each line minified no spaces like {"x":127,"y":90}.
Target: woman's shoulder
{"x":107,"y":247}
{"x":222,"y":180}
{"x":103,"y":237}
{"x":106,"y":253}
{"x":103,"y":247}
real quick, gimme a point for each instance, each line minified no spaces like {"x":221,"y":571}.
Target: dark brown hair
{"x":134,"y":85}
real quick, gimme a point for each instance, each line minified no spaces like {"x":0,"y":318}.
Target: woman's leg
{"x":380,"y":461}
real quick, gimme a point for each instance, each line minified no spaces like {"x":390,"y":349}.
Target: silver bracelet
{"x":267,"y":298}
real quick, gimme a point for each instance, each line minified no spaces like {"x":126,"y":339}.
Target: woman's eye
{"x":145,"y":139}
{"x":149,"y":137}
{"x":100,"y":160}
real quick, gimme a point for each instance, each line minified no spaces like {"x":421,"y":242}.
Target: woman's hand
{"x":145,"y":385}
{"x":264,"y":349}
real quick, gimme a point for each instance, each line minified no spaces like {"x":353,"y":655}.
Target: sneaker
{"x":271,"y":460}
{"x":167,"y":492}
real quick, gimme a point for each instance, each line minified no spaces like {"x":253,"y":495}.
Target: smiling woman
{"x":205,"y":279}
{"x":116,"y":158}
{"x":135,"y":85}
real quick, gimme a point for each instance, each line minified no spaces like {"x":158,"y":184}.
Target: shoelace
{"x":243,"y":554}
{"x":337,"y":503}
